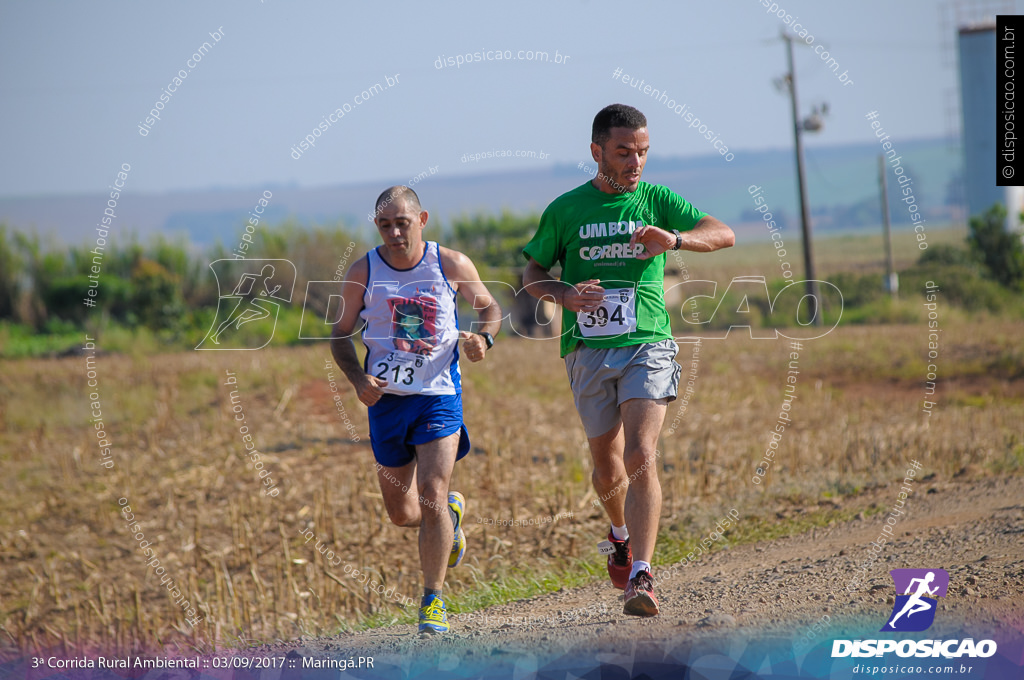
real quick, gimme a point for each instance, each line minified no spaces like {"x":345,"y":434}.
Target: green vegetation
{"x":162,"y":297}
{"x":494,"y":243}
{"x":999,"y":251}
{"x":985,"y":274}
{"x":149,"y":298}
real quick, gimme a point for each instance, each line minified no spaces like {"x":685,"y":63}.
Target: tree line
{"x":166,"y":283}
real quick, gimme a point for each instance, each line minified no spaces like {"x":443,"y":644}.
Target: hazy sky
{"x":76,"y":79}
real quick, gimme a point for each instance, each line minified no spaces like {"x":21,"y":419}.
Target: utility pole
{"x":892,"y":279}
{"x":805,"y":216}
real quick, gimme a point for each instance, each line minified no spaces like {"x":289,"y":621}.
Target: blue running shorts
{"x":399,"y":422}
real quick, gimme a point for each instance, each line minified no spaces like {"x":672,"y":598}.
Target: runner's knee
{"x":434,"y":498}
{"x":607,"y":477}
{"x":404,"y":515}
{"x":640,"y":462}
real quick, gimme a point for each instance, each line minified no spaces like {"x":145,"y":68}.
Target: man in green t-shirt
{"x":610,"y":236}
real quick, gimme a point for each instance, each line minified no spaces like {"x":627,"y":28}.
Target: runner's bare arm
{"x":709,"y":235}
{"x":462,"y":273}
{"x":368,"y":387}
{"x":585,"y":296}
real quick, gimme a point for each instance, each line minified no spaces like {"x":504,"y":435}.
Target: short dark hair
{"x":615,"y":115}
{"x":392,"y":194}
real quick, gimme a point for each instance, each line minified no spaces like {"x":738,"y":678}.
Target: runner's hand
{"x":656,"y":241}
{"x":585,"y":296}
{"x":473,"y":346}
{"x":371,"y":390}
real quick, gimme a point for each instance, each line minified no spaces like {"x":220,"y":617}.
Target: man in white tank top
{"x":405,"y":292}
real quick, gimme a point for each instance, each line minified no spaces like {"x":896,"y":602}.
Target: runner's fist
{"x":371,"y":390}
{"x":585,"y":296}
{"x":655,"y":241}
{"x":473,"y":345}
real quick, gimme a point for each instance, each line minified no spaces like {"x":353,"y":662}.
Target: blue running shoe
{"x":433,"y":617}
{"x":457,"y":504}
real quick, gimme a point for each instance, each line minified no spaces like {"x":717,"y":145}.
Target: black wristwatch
{"x":488,"y":338}
{"x":679,"y":239}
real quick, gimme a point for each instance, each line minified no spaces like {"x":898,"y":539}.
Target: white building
{"x":977,"y":48}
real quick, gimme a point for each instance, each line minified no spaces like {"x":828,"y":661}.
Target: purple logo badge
{"x":915,"y":605}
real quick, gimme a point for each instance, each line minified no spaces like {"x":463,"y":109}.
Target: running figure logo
{"x":914,"y":610}
{"x":252,"y":298}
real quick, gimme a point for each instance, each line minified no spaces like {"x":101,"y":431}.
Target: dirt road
{"x":772,"y":605}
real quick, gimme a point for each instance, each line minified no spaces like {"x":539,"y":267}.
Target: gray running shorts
{"x":601,"y":379}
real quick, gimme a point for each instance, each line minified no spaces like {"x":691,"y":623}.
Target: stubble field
{"x":72,"y":575}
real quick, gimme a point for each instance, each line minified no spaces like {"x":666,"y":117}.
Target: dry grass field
{"x":73,"y":576}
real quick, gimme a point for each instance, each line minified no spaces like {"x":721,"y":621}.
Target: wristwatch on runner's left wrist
{"x":488,"y":338}
{"x":679,"y":239}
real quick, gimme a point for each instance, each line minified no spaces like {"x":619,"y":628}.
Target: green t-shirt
{"x":587,"y":231}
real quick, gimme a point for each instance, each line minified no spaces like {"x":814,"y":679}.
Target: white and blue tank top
{"x":412,"y":326}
